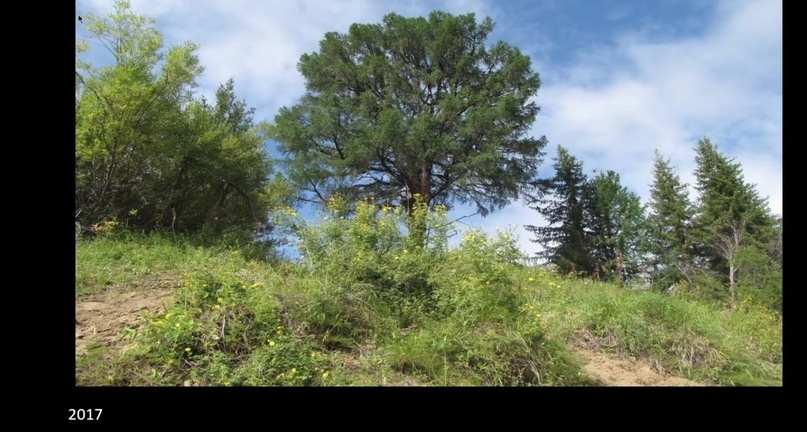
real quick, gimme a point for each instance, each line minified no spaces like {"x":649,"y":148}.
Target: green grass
{"x":130,"y":258}
{"x":355,"y":314}
{"x":689,"y":338}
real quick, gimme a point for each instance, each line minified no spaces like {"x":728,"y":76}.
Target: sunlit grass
{"x":368,"y":308}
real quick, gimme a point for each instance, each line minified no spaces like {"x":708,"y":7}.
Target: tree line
{"x":726,"y":237}
{"x":406,"y":111}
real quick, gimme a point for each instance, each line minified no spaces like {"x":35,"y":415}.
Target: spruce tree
{"x":560,"y":202}
{"x":669,"y":221}
{"x":727,"y":207}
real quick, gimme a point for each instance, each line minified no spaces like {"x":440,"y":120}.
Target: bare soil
{"x":102,"y":317}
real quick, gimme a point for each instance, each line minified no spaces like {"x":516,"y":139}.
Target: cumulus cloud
{"x":258,"y":43}
{"x":611,"y":105}
{"x":622,"y":100}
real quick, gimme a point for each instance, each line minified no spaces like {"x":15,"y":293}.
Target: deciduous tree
{"x":149,"y":153}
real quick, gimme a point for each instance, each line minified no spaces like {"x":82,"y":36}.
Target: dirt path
{"x":103,"y":316}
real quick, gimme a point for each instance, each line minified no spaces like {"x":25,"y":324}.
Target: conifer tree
{"x":730,"y":216}
{"x":727,"y":207}
{"x":414,"y":109}
{"x":560,"y":202}
{"x":669,"y":222}
{"x":614,"y":219}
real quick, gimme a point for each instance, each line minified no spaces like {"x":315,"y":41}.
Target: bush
{"x":225,"y":329}
{"x":372,"y":266}
{"x":759,"y":278}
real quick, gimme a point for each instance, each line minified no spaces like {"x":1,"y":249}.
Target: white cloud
{"x":259,"y":43}
{"x":619,"y":102}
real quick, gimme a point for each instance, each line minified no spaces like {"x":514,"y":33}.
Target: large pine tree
{"x":560,"y":202}
{"x":669,"y":222}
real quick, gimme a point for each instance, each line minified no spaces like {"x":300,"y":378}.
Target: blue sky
{"x":620,"y":78}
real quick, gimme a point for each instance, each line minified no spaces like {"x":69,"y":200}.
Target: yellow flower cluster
{"x":104,"y":227}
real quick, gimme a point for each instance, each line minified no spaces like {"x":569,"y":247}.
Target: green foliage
{"x":485,"y":330}
{"x":669,"y":225}
{"x":475,"y":279}
{"x":490,"y":354}
{"x":700,"y":285}
{"x":561,"y":203}
{"x":414,"y":106}
{"x":729,"y":209}
{"x":223,"y":330}
{"x":125,"y":257}
{"x":373,"y":246}
{"x":482,"y":321}
{"x":614,"y":222}
{"x":374,"y":269}
{"x":685,"y":334}
{"x":150,"y":154}
{"x":647,"y":324}
{"x":760,"y":277}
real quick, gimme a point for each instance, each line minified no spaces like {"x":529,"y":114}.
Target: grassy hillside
{"x":365,"y":307}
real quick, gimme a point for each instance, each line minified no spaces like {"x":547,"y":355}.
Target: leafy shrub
{"x":223,"y":329}
{"x":373,"y":267}
{"x":760,"y":278}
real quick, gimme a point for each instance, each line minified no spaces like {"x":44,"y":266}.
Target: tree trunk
{"x":418,"y":220}
{"x":732,"y":287}
{"x":620,"y":266}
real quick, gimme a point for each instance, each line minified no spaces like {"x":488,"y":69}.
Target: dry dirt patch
{"x":613,"y":371}
{"x":101,"y":317}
